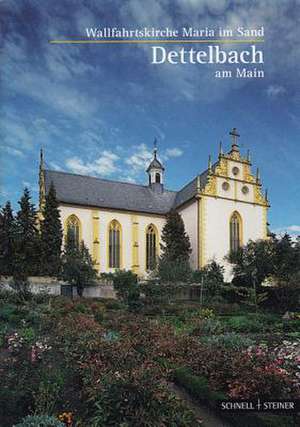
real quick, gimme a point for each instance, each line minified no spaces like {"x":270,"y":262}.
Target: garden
{"x":96,"y":363}
{"x":162,"y":353}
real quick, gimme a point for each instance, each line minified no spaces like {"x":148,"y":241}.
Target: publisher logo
{"x":275,"y":406}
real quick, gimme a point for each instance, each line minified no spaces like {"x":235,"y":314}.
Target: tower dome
{"x":155,"y":172}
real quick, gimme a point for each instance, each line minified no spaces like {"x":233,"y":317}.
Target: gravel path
{"x":210,"y":419}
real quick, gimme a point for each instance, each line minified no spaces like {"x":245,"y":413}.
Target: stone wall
{"x":52,"y":286}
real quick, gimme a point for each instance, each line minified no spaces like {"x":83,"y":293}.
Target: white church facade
{"x":121,"y":223}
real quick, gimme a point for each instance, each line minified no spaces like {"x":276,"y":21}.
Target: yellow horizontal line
{"x":154,"y":41}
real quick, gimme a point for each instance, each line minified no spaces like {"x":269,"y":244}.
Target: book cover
{"x":149,"y":225}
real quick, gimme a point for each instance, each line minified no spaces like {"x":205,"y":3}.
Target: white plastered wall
{"x":217,"y":232}
{"x":125,"y":219}
{"x":189,"y":215}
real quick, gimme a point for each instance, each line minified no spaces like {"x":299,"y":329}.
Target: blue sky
{"x":96,"y":109}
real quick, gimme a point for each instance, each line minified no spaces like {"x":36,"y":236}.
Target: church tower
{"x":155,"y":172}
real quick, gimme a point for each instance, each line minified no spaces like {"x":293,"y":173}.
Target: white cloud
{"x":293,"y":230}
{"x":105,"y":165}
{"x":49,"y":83}
{"x":12,"y":151}
{"x":173,"y":152}
{"x":275,"y":90}
{"x":199,"y":7}
{"x":55,"y":166}
{"x":127,"y":178}
{"x":140,"y":159}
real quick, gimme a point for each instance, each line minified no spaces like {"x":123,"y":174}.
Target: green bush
{"x":82,"y":308}
{"x":112,"y":304}
{"x":226,"y":308}
{"x":28,"y":335}
{"x":39,"y":421}
{"x":243,"y":324}
{"x":228,"y":341}
{"x":174,"y":271}
{"x":125,"y":402}
{"x":292,"y":325}
{"x":197,"y":386}
{"x":9,"y":313}
{"x":98,"y":310}
{"x":127,"y":289}
{"x":49,"y":390}
{"x":208,"y":327}
{"x":9,"y":296}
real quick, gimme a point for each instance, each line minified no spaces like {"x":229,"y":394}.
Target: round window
{"x":225,"y":186}
{"x":235,"y":170}
{"x":245,"y":189}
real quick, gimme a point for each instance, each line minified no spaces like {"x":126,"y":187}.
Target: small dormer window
{"x":157,"y":178}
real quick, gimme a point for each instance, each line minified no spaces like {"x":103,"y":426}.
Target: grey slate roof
{"x":189,"y":191}
{"x":90,"y":191}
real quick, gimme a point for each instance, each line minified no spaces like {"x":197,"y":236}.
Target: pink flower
{"x":33,"y":354}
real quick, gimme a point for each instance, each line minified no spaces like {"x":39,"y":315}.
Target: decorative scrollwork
{"x":222,"y":167}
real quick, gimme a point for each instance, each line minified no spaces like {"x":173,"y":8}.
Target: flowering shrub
{"x":40,"y":421}
{"x":14,"y":343}
{"x":206,"y":313}
{"x":38,"y":349}
{"x":137,"y":398}
{"x":233,"y":341}
{"x":107,"y":368}
{"x":275,"y":372}
{"x":208,"y":326}
{"x":287,"y":356}
{"x":66,"y":418}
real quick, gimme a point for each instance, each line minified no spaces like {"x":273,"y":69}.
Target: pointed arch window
{"x":151,"y":247}
{"x":114,"y":250}
{"x":73,"y":229}
{"x":235,"y":232}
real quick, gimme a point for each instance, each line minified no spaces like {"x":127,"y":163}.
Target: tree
{"x":26,"y":240}
{"x":212,"y":277}
{"x":287,"y":293}
{"x":278,"y":257}
{"x":77,"y":265}
{"x":51,"y":235}
{"x":286,"y":258}
{"x":251,"y":297}
{"x":255,"y":256}
{"x":176,"y":248}
{"x":7,"y":225}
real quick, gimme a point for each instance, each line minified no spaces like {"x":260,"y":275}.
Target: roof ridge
{"x":104,"y":179}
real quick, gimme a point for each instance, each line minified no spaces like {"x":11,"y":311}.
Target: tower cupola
{"x":155,"y":172}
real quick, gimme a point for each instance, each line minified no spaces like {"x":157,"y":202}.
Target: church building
{"x":121,"y":223}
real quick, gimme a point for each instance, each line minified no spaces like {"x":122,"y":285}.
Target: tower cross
{"x":234,"y":135}
{"x":155,"y":147}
